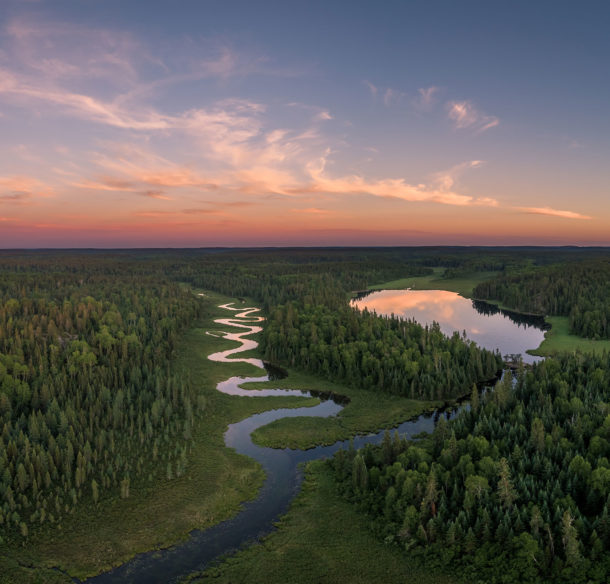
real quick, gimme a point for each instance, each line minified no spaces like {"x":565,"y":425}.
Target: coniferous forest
{"x":576,"y":290}
{"x":516,"y":488}
{"x":87,"y":401}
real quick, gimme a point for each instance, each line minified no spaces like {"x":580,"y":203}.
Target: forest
{"x":515,"y":489}
{"x":311,"y":326}
{"x":376,"y":353}
{"x":578,"y":290}
{"x":87,"y":403}
{"x":91,"y":408}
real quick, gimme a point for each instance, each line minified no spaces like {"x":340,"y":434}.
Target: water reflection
{"x":518,"y":318}
{"x":486,"y":324}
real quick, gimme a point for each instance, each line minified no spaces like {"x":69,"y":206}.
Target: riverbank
{"x":322,"y":539}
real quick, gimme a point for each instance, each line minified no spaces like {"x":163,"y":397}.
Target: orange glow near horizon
{"x":110,"y":140}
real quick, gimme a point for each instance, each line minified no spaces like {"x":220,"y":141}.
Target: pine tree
{"x":360,"y":475}
{"x":474,"y":399}
{"x":506,"y":491}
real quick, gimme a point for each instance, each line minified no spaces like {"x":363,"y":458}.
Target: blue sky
{"x":273,"y":123}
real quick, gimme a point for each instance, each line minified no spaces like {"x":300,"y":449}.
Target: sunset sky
{"x":205,"y":123}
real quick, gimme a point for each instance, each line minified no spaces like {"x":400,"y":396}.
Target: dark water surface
{"x":487,"y":325}
{"x":283,"y":475}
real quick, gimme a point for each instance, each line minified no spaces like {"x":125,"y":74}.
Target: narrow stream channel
{"x":281,"y":466}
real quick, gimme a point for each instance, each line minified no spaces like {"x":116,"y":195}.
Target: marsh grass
{"x":366,"y":412}
{"x":322,"y":539}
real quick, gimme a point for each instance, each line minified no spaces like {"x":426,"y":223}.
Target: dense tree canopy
{"x":311,"y":326}
{"x":87,"y":401}
{"x":90,"y":407}
{"x":576,"y":290}
{"x":376,"y":353}
{"x":515,"y":489}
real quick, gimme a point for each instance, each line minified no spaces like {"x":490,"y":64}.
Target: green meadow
{"x":363,"y":414}
{"x":559,"y":340}
{"x":463,"y":285}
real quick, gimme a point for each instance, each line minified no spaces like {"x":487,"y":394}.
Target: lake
{"x":487,"y":325}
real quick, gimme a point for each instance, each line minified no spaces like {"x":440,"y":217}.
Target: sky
{"x":223,"y":123}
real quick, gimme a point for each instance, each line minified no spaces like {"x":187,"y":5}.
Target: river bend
{"x":283,"y":476}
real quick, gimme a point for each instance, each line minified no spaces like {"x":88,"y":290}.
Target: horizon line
{"x":283,"y":247}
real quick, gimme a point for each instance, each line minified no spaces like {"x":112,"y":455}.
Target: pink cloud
{"x":18,"y":189}
{"x":393,"y":188}
{"x":312,"y":211}
{"x":552,"y":212}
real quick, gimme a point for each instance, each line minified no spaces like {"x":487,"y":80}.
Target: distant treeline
{"x":580,"y":291}
{"x":517,"y":489}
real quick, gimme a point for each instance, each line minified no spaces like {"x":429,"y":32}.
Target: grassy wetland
{"x":321,"y":539}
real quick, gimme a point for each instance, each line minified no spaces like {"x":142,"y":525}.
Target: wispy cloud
{"x":15,"y":197}
{"x":324,"y":115}
{"x":236,"y":150}
{"x":312,"y":211}
{"x":389,"y":95}
{"x":446,"y":179}
{"x":320,"y":114}
{"x":106,"y":79}
{"x":393,"y":188}
{"x":155,"y":195}
{"x":19,"y":189}
{"x":466,"y":116}
{"x":372,"y":88}
{"x":426,"y":98}
{"x":392,"y":96}
{"x":553,"y":212}
{"x":202,"y":211}
{"x":120,"y":185}
{"x":206,"y":148}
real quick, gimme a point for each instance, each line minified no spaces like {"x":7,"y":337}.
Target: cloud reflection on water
{"x":456,"y":313}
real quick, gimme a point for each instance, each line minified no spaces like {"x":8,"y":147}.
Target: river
{"x":283,"y":475}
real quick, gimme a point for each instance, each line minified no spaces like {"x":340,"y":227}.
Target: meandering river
{"x":282,"y":472}
{"x":281,"y":466}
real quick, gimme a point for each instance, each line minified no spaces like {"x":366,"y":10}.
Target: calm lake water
{"x":487,"y":325}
